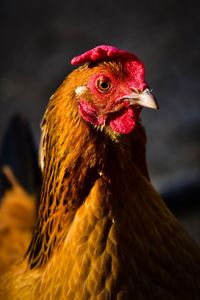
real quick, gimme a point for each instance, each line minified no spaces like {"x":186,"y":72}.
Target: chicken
{"x":102,"y":231}
{"x":17,"y":218}
{"x":19,"y":182}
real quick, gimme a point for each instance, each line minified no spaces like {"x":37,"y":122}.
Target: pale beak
{"x":145,"y":99}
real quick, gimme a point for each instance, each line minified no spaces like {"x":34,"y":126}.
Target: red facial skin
{"x":111,"y":107}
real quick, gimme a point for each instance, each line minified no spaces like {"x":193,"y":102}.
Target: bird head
{"x":114,"y":91}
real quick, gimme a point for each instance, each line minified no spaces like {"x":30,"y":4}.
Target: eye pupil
{"x":104,"y":85}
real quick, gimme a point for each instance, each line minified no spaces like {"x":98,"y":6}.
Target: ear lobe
{"x":81,"y":90}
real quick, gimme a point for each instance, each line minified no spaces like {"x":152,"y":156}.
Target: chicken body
{"x":102,"y":231}
{"x":17,"y":219}
{"x":19,"y":187}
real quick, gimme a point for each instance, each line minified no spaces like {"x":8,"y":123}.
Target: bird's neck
{"x":69,"y":172}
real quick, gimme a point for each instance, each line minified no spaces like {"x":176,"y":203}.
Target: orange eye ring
{"x":103,"y":84}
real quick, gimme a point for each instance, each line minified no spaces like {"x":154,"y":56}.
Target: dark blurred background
{"x":39,"y":38}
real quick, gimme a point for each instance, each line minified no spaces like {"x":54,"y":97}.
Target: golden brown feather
{"x":17,"y":218}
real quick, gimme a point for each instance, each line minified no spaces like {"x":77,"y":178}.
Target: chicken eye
{"x":103,"y":84}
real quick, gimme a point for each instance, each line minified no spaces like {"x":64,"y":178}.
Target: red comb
{"x":102,"y":52}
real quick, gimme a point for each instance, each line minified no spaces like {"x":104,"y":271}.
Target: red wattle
{"x":124,"y":121}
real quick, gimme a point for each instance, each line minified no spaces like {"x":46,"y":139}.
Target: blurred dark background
{"x":39,"y":38}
